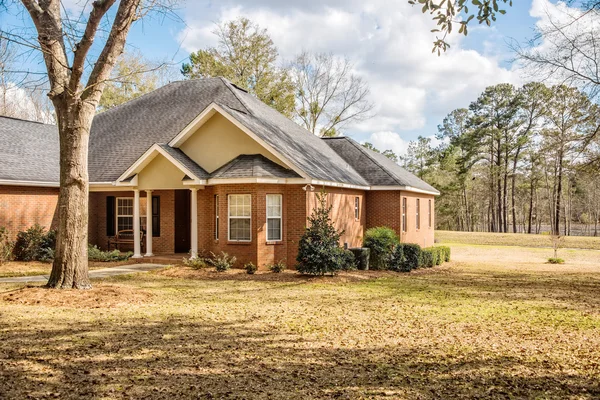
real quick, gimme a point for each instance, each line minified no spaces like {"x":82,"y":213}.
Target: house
{"x":201,"y":165}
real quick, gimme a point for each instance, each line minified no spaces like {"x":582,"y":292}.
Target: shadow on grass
{"x":175,"y":358}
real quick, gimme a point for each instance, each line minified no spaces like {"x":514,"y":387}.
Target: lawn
{"x":516,"y":239}
{"x":494,"y":323}
{"x":31,"y":268}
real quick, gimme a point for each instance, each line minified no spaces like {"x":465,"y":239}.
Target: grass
{"x":515,"y":239}
{"x":494,"y":323}
{"x":31,"y":268}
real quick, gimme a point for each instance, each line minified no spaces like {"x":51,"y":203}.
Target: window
{"x":156,"y":216}
{"x":418,"y":214}
{"x":239,"y":217}
{"x":124,"y":213}
{"x":429,"y":216}
{"x":357,"y":208}
{"x":404,"y":214}
{"x":216,"y":217}
{"x":274,"y":202}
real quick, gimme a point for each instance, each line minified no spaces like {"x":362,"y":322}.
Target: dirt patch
{"x":182,"y":272}
{"x":101,"y":296}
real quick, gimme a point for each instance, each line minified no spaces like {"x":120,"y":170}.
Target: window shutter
{"x":110,"y":216}
{"x":155,"y":216}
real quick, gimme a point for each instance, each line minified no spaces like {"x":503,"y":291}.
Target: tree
{"x":388,"y":153}
{"x":445,"y":15}
{"x":328,"y":94}
{"x":132,"y":77}
{"x":418,"y":156}
{"x":75,"y":92}
{"x":246,"y":55}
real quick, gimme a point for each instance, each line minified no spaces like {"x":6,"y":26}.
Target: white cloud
{"x":388,"y":140}
{"x":390,"y":43}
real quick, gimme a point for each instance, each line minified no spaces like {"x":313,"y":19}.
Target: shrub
{"x":195,"y":263}
{"x":349,"y":262}
{"x":95,"y":254}
{"x":6,"y":246}
{"x":427,"y":258}
{"x":556,"y":260}
{"x":361,"y":257}
{"x":35,"y":244}
{"x":445,"y":253}
{"x":381,"y":241}
{"x":250,"y":268}
{"x":412,"y":255}
{"x":222,"y":262}
{"x":278,"y":267}
{"x":398,"y":260}
{"x":319,"y":252}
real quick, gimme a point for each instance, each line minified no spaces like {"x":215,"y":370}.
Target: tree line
{"x":516,"y":160}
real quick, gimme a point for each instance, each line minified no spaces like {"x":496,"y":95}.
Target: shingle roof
{"x":252,"y":166}
{"x":375,"y":168}
{"x":187,"y":162}
{"x":28,"y":151}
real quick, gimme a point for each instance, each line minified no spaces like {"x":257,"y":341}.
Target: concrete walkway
{"x":97,"y":273}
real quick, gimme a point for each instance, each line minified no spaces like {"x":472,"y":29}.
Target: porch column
{"x":149,"y":223}
{"x":137,"y":246}
{"x":194,"y":227}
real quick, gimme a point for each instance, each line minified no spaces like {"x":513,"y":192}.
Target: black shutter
{"x":156,"y":216}
{"x":110,"y":216}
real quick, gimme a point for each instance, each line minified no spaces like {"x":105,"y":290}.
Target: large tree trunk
{"x":70,"y":267}
{"x":558,"y":195}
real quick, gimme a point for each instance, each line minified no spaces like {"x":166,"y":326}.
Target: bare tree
{"x":77,"y":77}
{"x":329,"y":94}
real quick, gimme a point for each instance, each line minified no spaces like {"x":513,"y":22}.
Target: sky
{"x":388,"y":41}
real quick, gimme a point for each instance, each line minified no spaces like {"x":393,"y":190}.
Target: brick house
{"x":201,"y":165}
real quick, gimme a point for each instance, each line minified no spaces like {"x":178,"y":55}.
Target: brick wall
{"x":21,"y":207}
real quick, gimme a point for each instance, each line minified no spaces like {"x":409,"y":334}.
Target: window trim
{"x":280,"y":217}
{"x":404,"y":210}
{"x":229,"y":218}
{"x":216,"y":230}
{"x":155,"y":216}
{"x":430,"y":213}
{"x":418,"y":214}
{"x":357,"y":208}
{"x":117,"y":215}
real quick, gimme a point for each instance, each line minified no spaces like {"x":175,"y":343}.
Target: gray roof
{"x":377,"y":169}
{"x":122,"y":135}
{"x":253,"y":166}
{"x":28,"y":151}
{"x":187,"y":162}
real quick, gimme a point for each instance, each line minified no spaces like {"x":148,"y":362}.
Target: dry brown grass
{"x":32,"y":268}
{"x":515,"y":239}
{"x":490,"y":324}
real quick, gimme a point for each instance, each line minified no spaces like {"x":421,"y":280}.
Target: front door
{"x":182,"y":221}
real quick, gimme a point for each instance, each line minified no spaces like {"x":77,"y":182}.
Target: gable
{"x":160,"y":173}
{"x":218,"y":141}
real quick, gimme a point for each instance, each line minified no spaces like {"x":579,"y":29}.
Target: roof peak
{"x":25,"y":120}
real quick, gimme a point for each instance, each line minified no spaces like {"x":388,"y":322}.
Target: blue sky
{"x":389,"y":42}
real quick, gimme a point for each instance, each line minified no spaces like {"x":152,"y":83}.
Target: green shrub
{"x":555,"y":260}
{"x":319,"y":251}
{"x":412,"y":256}
{"x":445,"y":253}
{"x":427,"y":258}
{"x":222,"y":262}
{"x":349,"y":262}
{"x":398,"y":260}
{"x":95,"y":254}
{"x":6,"y":246}
{"x":278,"y":267}
{"x":250,"y":268}
{"x":195,"y":263}
{"x":35,"y":244}
{"x":361,"y":257}
{"x":381,"y":241}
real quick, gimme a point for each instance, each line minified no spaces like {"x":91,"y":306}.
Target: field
{"x":516,"y":239}
{"x":496,"y":322}
{"x":31,"y":268}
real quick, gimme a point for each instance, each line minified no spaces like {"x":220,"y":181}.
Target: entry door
{"x":182,"y":221}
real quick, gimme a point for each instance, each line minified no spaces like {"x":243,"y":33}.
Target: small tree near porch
{"x":65,"y":44}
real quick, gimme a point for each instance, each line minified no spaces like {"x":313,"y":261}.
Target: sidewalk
{"x":97,"y":273}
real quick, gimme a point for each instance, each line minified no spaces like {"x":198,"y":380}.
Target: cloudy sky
{"x":388,"y":40}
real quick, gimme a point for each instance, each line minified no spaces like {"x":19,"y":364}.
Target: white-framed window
{"x":404,"y":214}
{"x":216,"y":217}
{"x":240,"y":214}
{"x":124,"y":213}
{"x":418,"y":214}
{"x":357,"y":208}
{"x":430,"y":213}
{"x":274,"y":212}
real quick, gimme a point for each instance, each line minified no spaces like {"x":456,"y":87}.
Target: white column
{"x":149,"y":223}
{"x":194,"y":227}
{"x":137,"y":246}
